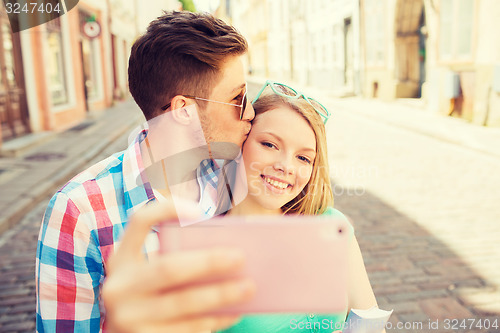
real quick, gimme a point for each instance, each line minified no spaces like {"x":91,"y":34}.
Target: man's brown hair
{"x":180,"y":53}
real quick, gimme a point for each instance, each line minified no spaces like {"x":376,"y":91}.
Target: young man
{"x":91,"y":271}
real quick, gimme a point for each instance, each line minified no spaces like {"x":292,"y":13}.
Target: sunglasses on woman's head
{"x":287,"y":91}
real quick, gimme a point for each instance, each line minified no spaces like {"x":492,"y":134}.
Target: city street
{"x":413,"y":87}
{"x":425,"y":213}
{"x":426,"y":216}
{"x":18,"y":244}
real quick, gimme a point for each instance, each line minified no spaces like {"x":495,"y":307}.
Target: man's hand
{"x":148,"y":296}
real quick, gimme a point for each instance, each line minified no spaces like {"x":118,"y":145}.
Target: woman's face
{"x":279,"y":156}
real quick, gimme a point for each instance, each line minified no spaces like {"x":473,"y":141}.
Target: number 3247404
{"x":32,"y":8}
{"x":470,"y":323}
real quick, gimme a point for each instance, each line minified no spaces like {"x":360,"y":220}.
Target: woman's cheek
{"x":304,"y":175}
{"x":249,"y":157}
{"x":254,"y":168}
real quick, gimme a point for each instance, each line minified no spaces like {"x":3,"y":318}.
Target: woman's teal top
{"x":296,"y":323}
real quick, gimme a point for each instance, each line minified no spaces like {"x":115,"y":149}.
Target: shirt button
{"x":311,"y":315}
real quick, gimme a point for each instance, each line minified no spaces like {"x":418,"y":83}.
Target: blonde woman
{"x":286,"y":162}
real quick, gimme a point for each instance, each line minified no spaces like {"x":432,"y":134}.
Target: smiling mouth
{"x":276,"y":183}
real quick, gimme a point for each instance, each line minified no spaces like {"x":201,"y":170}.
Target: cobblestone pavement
{"x":425,"y":212}
{"x":32,"y":173}
{"x":426,"y":216}
{"x":17,"y":261}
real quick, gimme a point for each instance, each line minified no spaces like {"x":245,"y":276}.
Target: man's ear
{"x":181,"y":111}
{"x":178,"y":102}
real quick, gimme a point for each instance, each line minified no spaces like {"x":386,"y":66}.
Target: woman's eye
{"x":268,"y":145}
{"x":304,"y":159}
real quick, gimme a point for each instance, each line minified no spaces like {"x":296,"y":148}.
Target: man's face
{"x":221,"y":122}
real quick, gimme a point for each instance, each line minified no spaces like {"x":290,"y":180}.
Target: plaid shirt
{"x":82,"y":227}
{"x":208,"y":176}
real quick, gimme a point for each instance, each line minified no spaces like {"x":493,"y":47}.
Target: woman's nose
{"x":284,"y":165}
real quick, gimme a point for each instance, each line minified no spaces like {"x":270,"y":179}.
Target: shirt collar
{"x":137,"y":188}
{"x":208,"y":172}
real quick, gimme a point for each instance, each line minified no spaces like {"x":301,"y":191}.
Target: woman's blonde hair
{"x":317,"y":194}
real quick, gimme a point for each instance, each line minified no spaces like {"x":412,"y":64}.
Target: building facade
{"x":66,"y":70}
{"x":315,"y":43}
{"x":54,"y":74}
{"x":444,"y":51}
{"x":14,"y":114}
{"x":147,"y":11}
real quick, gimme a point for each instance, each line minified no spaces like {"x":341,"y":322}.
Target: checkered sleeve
{"x":69,"y":270}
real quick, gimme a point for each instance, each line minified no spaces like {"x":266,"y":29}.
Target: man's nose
{"x":248,"y":113}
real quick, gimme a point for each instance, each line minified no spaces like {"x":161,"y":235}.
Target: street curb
{"x":59,"y":177}
{"x":20,"y":145}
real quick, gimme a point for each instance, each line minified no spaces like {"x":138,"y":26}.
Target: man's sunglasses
{"x":241,"y":106}
{"x":287,"y":91}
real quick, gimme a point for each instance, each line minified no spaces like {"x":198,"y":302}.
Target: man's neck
{"x":187,"y":189}
{"x":251,"y":207}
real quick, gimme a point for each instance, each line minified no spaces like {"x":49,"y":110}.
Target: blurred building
{"x":222,"y":10}
{"x":315,"y":43}
{"x":69,"y":66}
{"x":443,"y":51}
{"x":149,"y":10}
{"x":54,"y":74}
{"x":251,"y":19}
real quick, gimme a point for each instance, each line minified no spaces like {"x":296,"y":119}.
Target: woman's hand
{"x":150,"y":296}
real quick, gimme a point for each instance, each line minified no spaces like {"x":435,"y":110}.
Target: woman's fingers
{"x":174,"y":269}
{"x":191,"y":301}
{"x":183,"y":310}
{"x":168,"y":271}
{"x":167,"y":293}
{"x":140,"y":224}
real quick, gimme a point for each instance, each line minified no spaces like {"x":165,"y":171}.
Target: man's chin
{"x":224,"y":150}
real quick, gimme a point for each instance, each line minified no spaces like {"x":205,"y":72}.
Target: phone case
{"x":299,"y":263}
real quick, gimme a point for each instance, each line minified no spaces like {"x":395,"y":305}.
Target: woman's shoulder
{"x":332,"y":212}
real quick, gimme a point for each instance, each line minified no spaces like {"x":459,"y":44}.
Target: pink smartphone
{"x":298,"y":263}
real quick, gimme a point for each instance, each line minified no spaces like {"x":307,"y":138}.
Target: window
{"x":456,"y":28}
{"x":91,"y":61}
{"x":465,"y":17}
{"x":228,"y":8}
{"x":56,"y":67}
{"x":8,"y":56}
{"x":89,"y":68}
{"x":375,"y":21}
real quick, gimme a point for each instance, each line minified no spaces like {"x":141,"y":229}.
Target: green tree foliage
{"x":188,"y":5}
